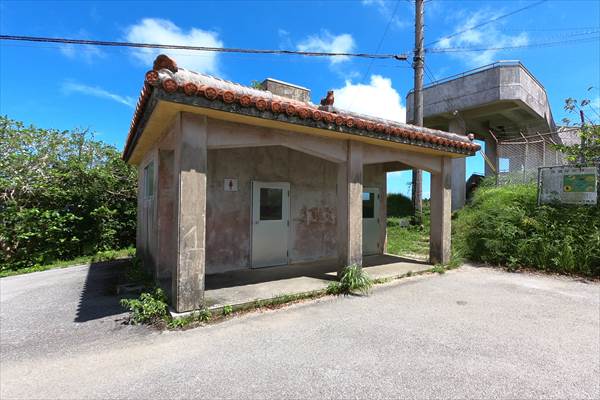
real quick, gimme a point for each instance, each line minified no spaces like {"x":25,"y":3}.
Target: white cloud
{"x":378,"y":99}
{"x":74,"y":87}
{"x":162,"y":31}
{"x":328,"y":43}
{"x":487,"y":36}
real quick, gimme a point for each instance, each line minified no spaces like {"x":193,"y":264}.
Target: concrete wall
{"x":313,"y":198}
{"x":507,"y":94}
{"x":312,"y":203}
{"x":286,"y":89}
{"x":147,"y":232}
{"x":458,"y":94}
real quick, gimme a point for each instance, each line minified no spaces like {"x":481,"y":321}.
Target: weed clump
{"x":149,"y":308}
{"x":354,"y":280}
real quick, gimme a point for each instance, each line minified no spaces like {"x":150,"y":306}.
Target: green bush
{"x":399,"y":205}
{"x":148,"y":308}
{"x":505,"y":226}
{"x":104,"y":256}
{"x":62,"y":195}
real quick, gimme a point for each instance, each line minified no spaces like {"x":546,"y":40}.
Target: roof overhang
{"x":163,"y":107}
{"x":169,"y":90}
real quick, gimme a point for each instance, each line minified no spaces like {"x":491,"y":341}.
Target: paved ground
{"x":474,"y":332}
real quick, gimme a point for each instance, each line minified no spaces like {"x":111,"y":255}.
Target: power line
{"x":529,"y":29}
{"x":531,"y":45}
{"x":487,"y":22}
{"x":387,"y":27}
{"x":430,"y":74}
{"x":197,"y":48}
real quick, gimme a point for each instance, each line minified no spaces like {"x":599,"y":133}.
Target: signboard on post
{"x":568,"y":185}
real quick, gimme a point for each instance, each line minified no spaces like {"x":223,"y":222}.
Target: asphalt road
{"x":470,"y":333}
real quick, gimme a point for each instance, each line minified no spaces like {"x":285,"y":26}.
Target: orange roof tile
{"x":170,"y":79}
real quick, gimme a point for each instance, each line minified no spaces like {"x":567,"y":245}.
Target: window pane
{"x":270,"y":204}
{"x":368,"y":205}
{"x":149,"y":179}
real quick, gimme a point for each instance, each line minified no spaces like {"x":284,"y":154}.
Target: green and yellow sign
{"x":568,"y":185}
{"x":580,"y":183}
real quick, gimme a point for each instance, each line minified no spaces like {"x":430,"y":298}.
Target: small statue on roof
{"x":328,"y":101}
{"x":165,"y":62}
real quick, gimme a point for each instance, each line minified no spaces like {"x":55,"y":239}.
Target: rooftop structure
{"x":496,"y":103}
{"x":503,"y":97}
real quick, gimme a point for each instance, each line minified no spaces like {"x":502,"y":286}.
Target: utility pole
{"x":582,"y":159}
{"x":418,"y":63}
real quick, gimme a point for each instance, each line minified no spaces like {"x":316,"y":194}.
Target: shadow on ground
{"x":99,"y":296}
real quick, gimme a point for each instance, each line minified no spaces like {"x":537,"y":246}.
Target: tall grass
{"x":505,"y":226}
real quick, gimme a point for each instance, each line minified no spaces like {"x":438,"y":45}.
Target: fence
{"x":519,"y":158}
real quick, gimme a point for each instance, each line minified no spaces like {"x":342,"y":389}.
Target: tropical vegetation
{"x":63,"y":195}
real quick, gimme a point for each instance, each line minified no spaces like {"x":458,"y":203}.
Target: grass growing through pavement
{"x":102,"y":256}
{"x":354,"y":280}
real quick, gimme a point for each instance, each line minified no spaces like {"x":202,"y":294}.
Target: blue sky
{"x":65,"y":87}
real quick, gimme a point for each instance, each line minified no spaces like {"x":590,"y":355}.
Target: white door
{"x":270,"y":223}
{"x":371,"y":202}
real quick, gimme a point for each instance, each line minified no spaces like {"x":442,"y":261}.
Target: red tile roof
{"x":167,"y":77}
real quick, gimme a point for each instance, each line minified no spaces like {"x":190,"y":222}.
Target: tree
{"x":62,"y":195}
{"x":588,"y":150}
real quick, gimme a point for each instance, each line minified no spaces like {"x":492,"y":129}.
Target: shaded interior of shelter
{"x":312,"y":216}
{"x":324,"y":270}
{"x":98,"y":297}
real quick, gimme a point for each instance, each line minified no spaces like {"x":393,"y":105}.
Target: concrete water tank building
{"x":496,"y":102}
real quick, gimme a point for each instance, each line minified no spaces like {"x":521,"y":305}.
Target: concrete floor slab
{"x":245,"y":286}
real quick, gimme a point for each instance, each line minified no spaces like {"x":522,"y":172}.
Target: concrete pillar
{"x":167,"y":232}
{"x":383,"y":213}
{"x":342,"y":214}
{"x":440,"y":202}
{"x":459,"y":183}
{"x":139,"y":234}
{"x":349,"y":190}
{"x":491,"y":152}
{"x":459,"y":165}
{"x":190,"y":163}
